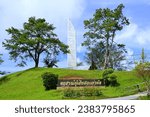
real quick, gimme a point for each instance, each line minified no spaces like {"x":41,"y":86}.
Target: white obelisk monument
{"x":71,"y":35}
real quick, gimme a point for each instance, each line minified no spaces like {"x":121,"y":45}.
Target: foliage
{"x":143,"y":56}
{"x":106,"y":72}
{"x":50,"y":81}
{"x":1,"y":59}
{"x":49,"y":62}
{"x":3,"y":72}
{"x":91,"y":92}
{"x":117,"y":55}
{"x":143,"y":71}
{"x":70,"y":92}
{"x":79,"y":64}
{"x":102,"y":28}
{"x":93,"y":65}
{"x":28,"y":84}
{"x":95,"y":56}
{"x":109,"y":78}
{"x":113,"y":80}
{"x":144,"y":98}
{"x":37,"y":37}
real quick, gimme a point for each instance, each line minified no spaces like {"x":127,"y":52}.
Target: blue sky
{"x":16,"y":12}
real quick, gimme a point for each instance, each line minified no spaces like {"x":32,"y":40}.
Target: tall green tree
{"x":117,"y":55}
{"x":35,"y":39}
{"x":95,"y":56}
{"x":103,"y":27}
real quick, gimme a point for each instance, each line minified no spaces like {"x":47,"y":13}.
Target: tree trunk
{"x":37,"y":60}
{"x":111,"y":61}
{"x":36,"y":63}
{"x":106,"y":61}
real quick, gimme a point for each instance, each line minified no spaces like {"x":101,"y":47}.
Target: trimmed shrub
{"x":69,"y":93}
{"x":106,"y":81}
{"x":84,"y":92}
{"x":50,"y":81}
{"x":109,"y":78}
{"x":113,"y":80}
{"x":87,"y":92}
{"x":107,"y":72}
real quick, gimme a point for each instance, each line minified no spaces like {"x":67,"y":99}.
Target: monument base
{"x":79,"y":68}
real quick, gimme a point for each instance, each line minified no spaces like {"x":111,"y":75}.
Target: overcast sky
{"x":16,"y":12}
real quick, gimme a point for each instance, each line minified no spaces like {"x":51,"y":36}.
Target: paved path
{"x":131,"y":97}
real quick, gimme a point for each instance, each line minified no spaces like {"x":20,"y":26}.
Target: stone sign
{"x":79,"y":82}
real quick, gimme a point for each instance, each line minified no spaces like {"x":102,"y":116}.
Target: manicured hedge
{"x":50,"y":80}
{"x":70,"y":92}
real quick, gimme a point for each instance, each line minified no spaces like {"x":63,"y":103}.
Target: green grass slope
{"x":28,"y":85}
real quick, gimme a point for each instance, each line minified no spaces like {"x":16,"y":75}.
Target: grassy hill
{"x":28,"y":84}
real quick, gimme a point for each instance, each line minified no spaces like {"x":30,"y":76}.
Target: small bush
{"x":84,"y":92}
{"x":50,"y":80}
{"x":69,"y":93}
{"x":109,"y":79}
{"x":77,"y":93}
{"x":143,"y":71}
{"x":87,"y":92}
{"x":106,"y":81}
{"x":113,"y":80}
{"x":107,"y":72}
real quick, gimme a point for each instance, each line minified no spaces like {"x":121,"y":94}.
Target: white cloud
{"x":135,"y":36}
{"x":81,"y":49}
{"x":143,"y":37}
{"x":48,"y":8}
{"x":106,"y":3}
{"x":128,"y":32}
{"x":130,"y":52}
{"x":16,"y":12}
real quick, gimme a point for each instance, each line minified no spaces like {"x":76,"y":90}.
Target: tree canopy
{"x":102,"y":28}
{"x":95,"y":56}
{"x":37,"y":37}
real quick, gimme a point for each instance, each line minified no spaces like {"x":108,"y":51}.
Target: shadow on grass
{"x":4,"y":79}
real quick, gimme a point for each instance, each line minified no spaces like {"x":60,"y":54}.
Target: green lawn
{"x":28,"y":84}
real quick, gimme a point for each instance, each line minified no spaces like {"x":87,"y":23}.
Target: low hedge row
{"x":70,"y":92}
